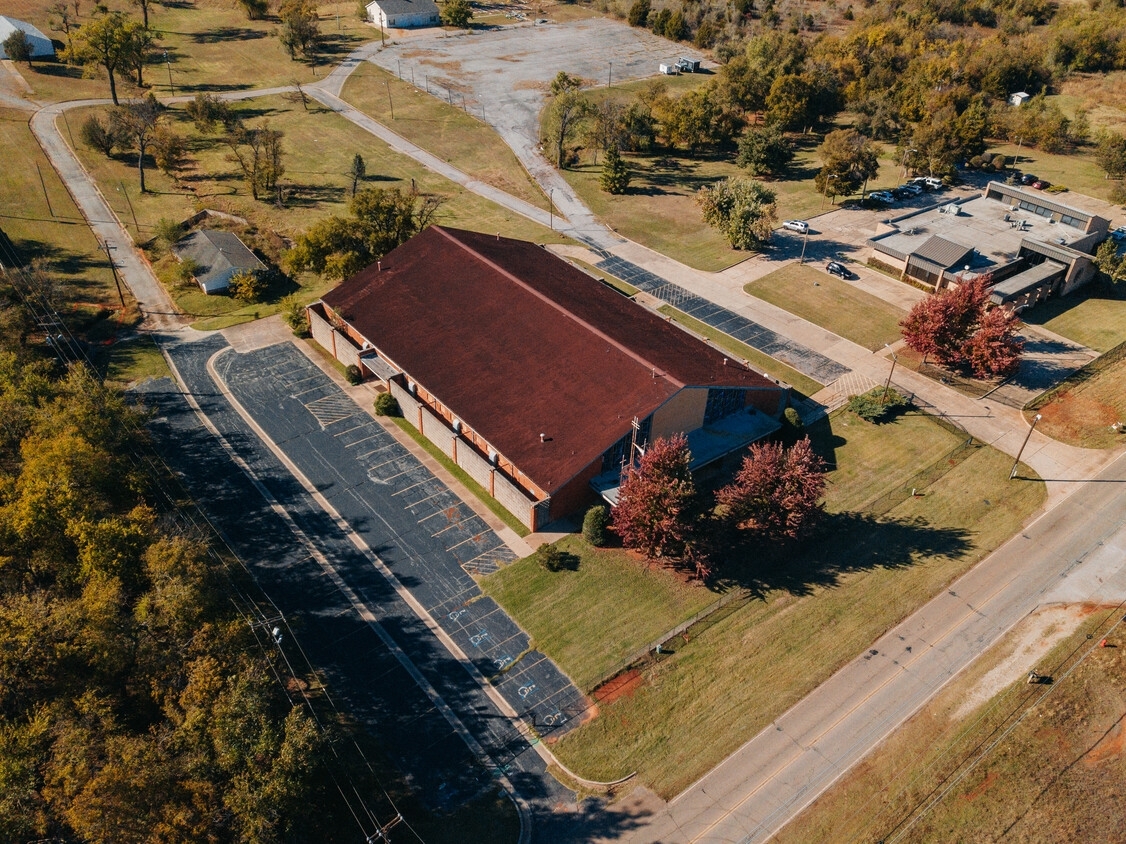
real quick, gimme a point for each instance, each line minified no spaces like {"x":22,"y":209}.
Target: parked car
{"x":921,"y":182}
{"x":934,"y":183}
{"x":796,"y":226}
{"x":1041,"y":184}
{"x":913,"y":190}
{"x":1119,"y":234}
{"x":1027,"y":179}
{"x":881,"y":196}
{"x":901,"y":193}
{"x":838,"y":269}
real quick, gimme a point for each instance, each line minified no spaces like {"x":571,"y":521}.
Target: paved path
{"x":784,"y":768}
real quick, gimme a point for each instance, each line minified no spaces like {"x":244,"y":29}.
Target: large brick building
{"x":529,"y":373}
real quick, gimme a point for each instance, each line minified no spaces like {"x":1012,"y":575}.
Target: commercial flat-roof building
{"x":1032,"y":244}
{"x":529,"y":373}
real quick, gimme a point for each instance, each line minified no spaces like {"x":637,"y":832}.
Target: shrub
{"x":186,"y":270}
{"x":166,"y":232}
{"x":550,"y":557}
{"x":873,"y":405}
{"x":98,"y":135}
{"x":353,"y":374}
{"x":594,"y":525}
{"x":248,"y":286}
{"x":293,"y":312}
{"x":387,"y":405}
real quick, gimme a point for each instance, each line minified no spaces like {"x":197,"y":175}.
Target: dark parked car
{"x":1027,"y":179}
{"x":838,"y":269}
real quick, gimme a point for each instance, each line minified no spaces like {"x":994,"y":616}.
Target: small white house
{"x":41,"y":46}
{"x":1018,"y":98}
{"x":401,"y":14}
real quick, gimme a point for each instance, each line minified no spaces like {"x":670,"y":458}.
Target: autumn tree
{"x":138,"y":44}
{"x":657,"y":504}
{"x":100,"y":135}
{"x":379,"y":220}
{"x":258,"y":153}
{"x":777,"y":491}
{"x":301,"y":32}
{"x":765,"y":151}
{"x":565,"y":114}
{"x":137,"y":121}
{"x":850,"y":160}
{"x":1111,"y":154}
{"x":64,"y":21}
{"x":742,"y":209}
{"x":945,"y":326}
{"x":169,"y":150}
{"x":104,"y":42}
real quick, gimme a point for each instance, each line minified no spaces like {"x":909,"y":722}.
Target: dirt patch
{"x":531,"y":85}
{"x":990,"y":778}
{"x":624,"y":685}
{"x":1032,"y":639}
{"x":1112,"y":746}
{"x":1075,"y":414}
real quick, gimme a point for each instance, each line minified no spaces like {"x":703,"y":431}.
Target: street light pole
{"x":1027,"y":437}
{"x":168,"y":65}
{"x":894,"y":361}
{"x":389,"y":101}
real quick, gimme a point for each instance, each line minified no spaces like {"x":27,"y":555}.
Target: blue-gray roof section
{"x":220,"y":255}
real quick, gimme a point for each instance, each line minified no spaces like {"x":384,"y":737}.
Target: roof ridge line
{"x":573,"y":317}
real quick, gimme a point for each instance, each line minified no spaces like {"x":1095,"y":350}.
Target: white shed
{"x":41,"y":46}
{"x":403,"y":13}
{"x":1018,"y":98}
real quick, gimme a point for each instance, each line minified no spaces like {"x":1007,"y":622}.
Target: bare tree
{"x":137,"y":121}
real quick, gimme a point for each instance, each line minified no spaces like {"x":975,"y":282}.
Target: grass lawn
{"x":566,"y":613}
{"x":759,"y":360}
{"x":1094,"y":315}
{"x":831,"y":303}
{"x":818,"y":605}
{"x":211,"y":47}
{"x":133,"y":360}
{"x":1055,"y":777}
{"x":1076,"y":171}
{"x":442,"y":129}
{"x":1082,"y":410}
{"x":318,"y":147}
{"x":62,"y":241}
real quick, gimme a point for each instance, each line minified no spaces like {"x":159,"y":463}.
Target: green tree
{"x":169,"y":150}
{"x":765,"y":151}
{"x":18,"y":47}
{"x":138,"y":44}
{"x":595,"y":522}
{"x":742,"y":209}
{"x":639,"y":12}
{"x":787,"y":104}
{"x":699,"y":118}
{"x":565,"y":114}
{"x":248,"y":286}
{"x":850,"y":160}
{"x":457,"y":13}
{"x":1109,"y":263}
{"x":1111,"y":154}
{"x":301,"y":31}
{"x":615,"y":176}
{"x":379,"y":220}
{"x":104,"y":42}
{"x":258,"y":153}
{"x":258,"y":9}
{"x":358,"y":172}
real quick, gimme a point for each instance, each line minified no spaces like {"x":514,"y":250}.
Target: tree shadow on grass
{"x":842,"y":543}
{"x":227,"y":33}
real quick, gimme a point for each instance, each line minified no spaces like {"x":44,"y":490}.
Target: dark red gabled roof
{"x":516,"y":342}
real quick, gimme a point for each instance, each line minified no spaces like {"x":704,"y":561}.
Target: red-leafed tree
{"x":657,"y":505}
{"x":947,"y":326}
{"x":777,"y":492}
{"x":994,"y":349}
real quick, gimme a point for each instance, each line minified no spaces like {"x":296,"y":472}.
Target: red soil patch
{"x":1112,"y":745}
{"x":624,"y":685}
{"x":990,"y":778}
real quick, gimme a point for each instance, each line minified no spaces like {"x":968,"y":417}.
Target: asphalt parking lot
{"x":421,"y":531}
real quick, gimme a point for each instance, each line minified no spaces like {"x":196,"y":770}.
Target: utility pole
{"x":129,"y":202}
{"x":116,"y":280}
{"x":1027,"y":437}
{"x":550,"y":209}
{"x":610,"y":76}
{"x":894,"y":361}
{"x":389,"y":102}
{"x":168,"y":65}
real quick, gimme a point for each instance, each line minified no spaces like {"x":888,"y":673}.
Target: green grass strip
{"x":495,"y":506}
{"x":802,"y":384}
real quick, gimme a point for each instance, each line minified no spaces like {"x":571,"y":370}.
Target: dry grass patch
{"x":1055,"y":777}
{"x":440,"y":128}
{"x":1083,"y":408}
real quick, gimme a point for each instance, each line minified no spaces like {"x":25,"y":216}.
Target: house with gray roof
{"x":401,"y":14}
{"x":219,"y":255}
{"x":41,"y":46}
